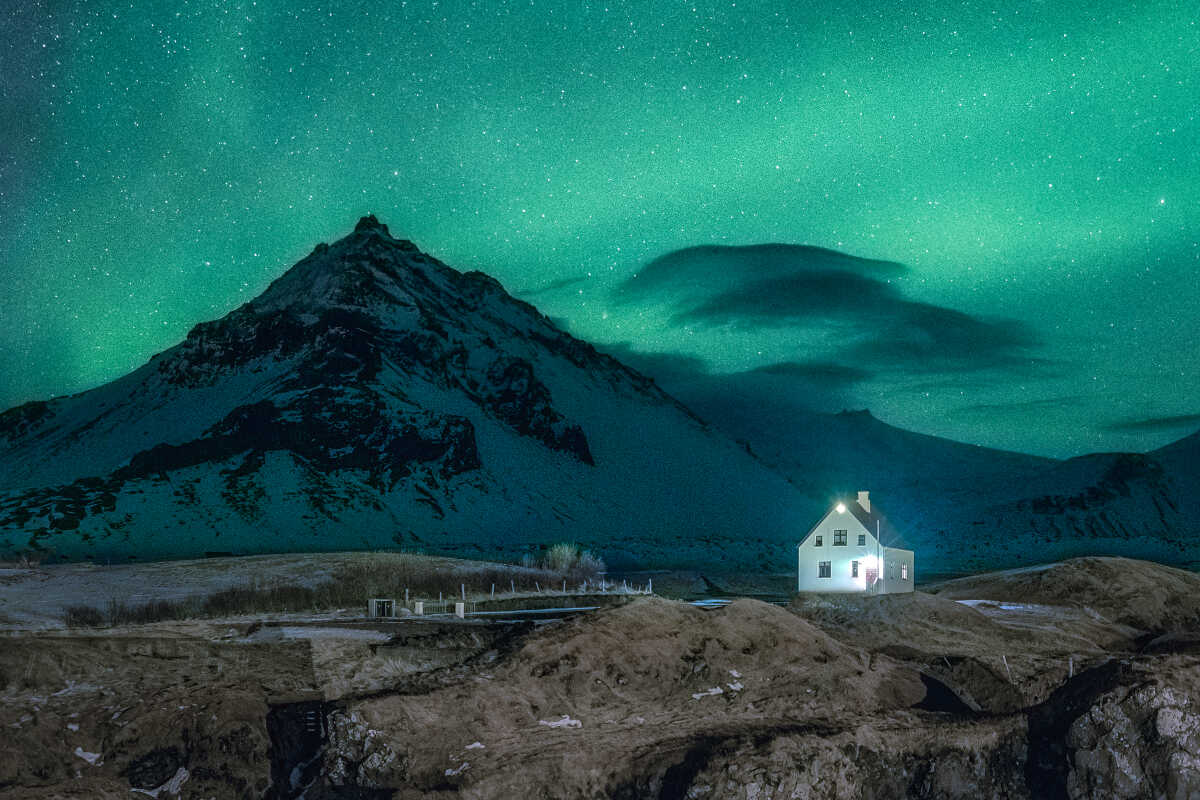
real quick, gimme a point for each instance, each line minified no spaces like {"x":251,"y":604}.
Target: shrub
{"x":569,"y":561}
{"x":83,"y":617}
{"x":590,"y":565}
{"x":561,"y":558}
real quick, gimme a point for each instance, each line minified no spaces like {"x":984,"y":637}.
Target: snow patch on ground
{"x":565,"y":722}
{"x":301,"y":632}
{"x":91,"y":758}
{"x":172,"y":786}
{"x":996,"y":605}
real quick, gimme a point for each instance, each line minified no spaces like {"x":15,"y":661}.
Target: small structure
{"x":846,"y":552}
{"x":381,"y":607}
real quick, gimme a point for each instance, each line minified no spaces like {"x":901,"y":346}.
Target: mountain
{"x":962,"y":507}
{"x":375,"y":397}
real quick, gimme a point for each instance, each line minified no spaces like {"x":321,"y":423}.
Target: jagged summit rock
{"x":374,"y":396}
{"x":370,"y":222}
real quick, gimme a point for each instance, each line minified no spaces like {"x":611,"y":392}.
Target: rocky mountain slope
{"x":372,"y":397}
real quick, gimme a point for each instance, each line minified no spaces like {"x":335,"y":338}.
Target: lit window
{"x":853,"y":569}
{"x":839,"y":538}
{"x":862,"y":540}
{"x":824,"y":569}
{"x":904,"y":571}
{"x":818,"y":543}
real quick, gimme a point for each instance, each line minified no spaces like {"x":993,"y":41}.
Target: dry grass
{"x":25,"y":560}
{"x":394,"y":575}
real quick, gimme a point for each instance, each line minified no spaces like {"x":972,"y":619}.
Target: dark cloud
{"x":1017,"y":407}
{"x":773,"y":287}
{"x":1155,"y":424}
{"x":675,"y":367}
{"x":788,"y":299}
{"x":825,"y":371}
{"x":771,"y":391}
{"x":708,"y":270}
{"x":919,"y":337}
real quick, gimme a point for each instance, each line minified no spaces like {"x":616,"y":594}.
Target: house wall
{"x":894,"y":561}
{"x":841,"y":578}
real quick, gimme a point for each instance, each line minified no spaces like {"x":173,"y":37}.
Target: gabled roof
{"x":888,"y":536}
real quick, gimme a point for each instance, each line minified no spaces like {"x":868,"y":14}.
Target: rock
{"x":1134,"y":744}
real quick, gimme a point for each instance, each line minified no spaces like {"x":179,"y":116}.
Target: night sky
{"x":977,"y":220}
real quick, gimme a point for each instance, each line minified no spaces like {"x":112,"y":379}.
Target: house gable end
{"x":852,"y":523}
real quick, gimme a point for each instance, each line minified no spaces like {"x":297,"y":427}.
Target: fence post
{"x":650,"y":586}
{"x":493,"y":591}
{"x":463,"y":586}
{"x":406,"y":596}
{"x":564,"y":587}
{"x":512,"y":586}
{"x":537,"y":586}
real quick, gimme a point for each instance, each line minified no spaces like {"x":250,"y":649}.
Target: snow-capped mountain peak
{"x":372,"y":395}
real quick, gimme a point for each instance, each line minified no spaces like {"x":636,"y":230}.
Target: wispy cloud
{"x":824,"y":371}
{"x":710,"y":270}
{"x":1154,"y":424}
{"x":774,"y":390}
{"x":771,"y":287}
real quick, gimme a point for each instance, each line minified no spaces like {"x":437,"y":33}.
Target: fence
{"x":391,"y":608}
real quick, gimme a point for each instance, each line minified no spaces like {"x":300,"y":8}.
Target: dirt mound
{"x":597,"y":693}
{"x":994,"y":656}
{"x":669,"y":651}
{"x":1140,"y":594}
{"x":948,"y":626}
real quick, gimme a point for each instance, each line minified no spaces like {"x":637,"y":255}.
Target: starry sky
{"x":977,"y":220}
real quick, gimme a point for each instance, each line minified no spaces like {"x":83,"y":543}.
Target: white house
{"x":845,"y":552}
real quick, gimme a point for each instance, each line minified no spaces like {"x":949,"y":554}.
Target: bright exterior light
{"x":841,"y":508}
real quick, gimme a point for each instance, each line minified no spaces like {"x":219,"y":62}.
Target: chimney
{"x":864,"y":500}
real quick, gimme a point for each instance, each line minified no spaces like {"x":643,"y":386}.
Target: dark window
{"x":823,"y":570}
{"x":853,"y":569}
{"x":818,"y":543}
{"x":862,"y":540}
{"x":839,"y":538}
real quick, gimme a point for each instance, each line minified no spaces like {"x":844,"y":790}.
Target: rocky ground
{"x":1080,"y":679}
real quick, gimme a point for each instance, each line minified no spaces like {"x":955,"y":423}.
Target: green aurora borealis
{"x":1037,"y":163}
